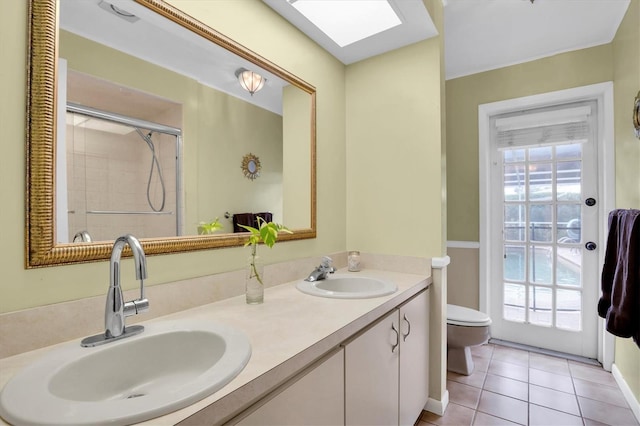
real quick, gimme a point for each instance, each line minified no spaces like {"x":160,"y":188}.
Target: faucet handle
{"x":135,"y":307}
{"x":326,"y":262}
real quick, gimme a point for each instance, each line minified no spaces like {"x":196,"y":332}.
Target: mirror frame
{"x":41,"y":248}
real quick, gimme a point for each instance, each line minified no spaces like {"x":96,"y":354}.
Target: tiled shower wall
{"x":109,"y":172}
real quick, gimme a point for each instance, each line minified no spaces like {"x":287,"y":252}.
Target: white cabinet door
{"x":414,"y":358}
{"x":371,"y":374}
{"x":317,"y":398}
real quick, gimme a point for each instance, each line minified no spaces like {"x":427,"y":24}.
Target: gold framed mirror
{"x":43,"y":247}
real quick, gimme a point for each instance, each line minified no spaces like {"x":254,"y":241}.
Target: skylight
{"x":348,"y":21}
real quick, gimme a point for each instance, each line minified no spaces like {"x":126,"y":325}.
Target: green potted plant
{"x":267,"y":233}
{"x":206,"y":228}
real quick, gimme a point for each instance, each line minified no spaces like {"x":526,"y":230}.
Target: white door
{"x":544,"y":262}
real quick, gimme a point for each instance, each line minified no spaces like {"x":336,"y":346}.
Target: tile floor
{"x":511,"y":386}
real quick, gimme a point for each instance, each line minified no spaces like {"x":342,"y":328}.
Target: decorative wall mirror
{"x":90,"y":86}
{"x":251,"y":166}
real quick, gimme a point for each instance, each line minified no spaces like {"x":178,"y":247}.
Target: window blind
{"x":570,"y":123}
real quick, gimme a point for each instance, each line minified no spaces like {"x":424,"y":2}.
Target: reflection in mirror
{"x":251,"y":166}
{"x":155,"y":122}
{"x":122,"y":176}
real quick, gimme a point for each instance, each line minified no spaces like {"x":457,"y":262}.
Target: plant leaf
{"x":267,"y":233}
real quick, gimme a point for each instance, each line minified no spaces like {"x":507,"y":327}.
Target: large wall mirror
{"x":140,"y":120}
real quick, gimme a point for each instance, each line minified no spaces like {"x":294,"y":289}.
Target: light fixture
{"x":250,"y":81}
{"x":120,"y":13}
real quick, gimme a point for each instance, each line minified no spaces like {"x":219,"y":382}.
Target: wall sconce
{"x":249,"y":80}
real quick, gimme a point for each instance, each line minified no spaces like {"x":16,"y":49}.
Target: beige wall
{"x":464,"y":94}
{"x":393,"y":152}
{"x":215,"y":135}
{"x":618,"y":62}
{"x":410,"y":179}
{"x":463,"y":274}
{"x":224,"y":138}
{"x":626,"y":69}
{"x":296,"y":158}
{"x":249,"y":22}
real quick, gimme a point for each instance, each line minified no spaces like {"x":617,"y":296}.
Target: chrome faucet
{"x":320,"y":273}
{"x":82,"y":237}
{"x":116,"y":309}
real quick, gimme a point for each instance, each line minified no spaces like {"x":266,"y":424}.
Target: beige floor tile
{"x":591,"y":374}
{"x":504,"y":407}
{"x":556,"y":400}
{"x":541,"y":416}
{"x":511,"y":386}
{"x":606,"y":413}
{"x":600,"y":393}
{"x":455,"y":415}
{"x":550,"y":380}
{"x":512,"y":371}
{"x":549,"y":364}
{"x":484,"y":351}
{"x":462,"y":394}
{"x":589,"y":422}
{"x":508,"y":387}
{"x":476,"y":378}
{"x":483,"y":419}
{"x":510,"y":355}
{"x":480,"y":363}
{"x":584,"y":364}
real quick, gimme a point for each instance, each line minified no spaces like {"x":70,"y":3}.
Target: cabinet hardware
{"x":404,"y":336}
{"x":393,"y":348}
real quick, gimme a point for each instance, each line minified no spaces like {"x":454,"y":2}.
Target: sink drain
{"x":135,"y":395}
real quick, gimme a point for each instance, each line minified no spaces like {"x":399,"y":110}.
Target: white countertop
{"x":287,"y":332}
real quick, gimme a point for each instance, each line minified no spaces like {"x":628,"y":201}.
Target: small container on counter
{"x":354,"y":261}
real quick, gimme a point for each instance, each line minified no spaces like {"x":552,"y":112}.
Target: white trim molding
{"x":438,"y":407}
{"x":440,"y":262}
{"x":463,"y":244}
{"x":634,"y":404}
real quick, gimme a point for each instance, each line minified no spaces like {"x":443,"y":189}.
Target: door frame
{"x":602,"y":93}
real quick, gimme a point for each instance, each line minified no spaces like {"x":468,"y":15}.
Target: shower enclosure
{"x":123,"y":176}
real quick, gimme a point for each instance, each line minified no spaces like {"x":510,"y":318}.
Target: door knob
{"x":590,"y":202}
{"x":590,"y":246}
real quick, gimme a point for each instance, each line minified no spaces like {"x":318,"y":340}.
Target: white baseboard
{"x":634,"y":404}
{"x":438,"y":407}
{"x":463,"y":244}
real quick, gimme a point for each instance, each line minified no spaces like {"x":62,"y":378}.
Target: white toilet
{"x":465,"y":327}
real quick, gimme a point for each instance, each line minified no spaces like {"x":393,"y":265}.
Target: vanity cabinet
{"x":315,"y":397}
{"x":414,"y":358}
{"x":386,"y":367}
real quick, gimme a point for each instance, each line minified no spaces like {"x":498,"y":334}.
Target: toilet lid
{"x":459,"y":315}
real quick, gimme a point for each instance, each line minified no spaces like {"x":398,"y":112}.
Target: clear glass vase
{"x":254,"y":279}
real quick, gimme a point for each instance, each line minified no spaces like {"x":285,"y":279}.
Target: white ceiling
{"x":159,"y":41}
{"x":416,"y":26}
{"x":482,"y":35}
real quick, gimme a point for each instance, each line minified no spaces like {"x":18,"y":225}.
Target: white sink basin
{"x":167,"y":367}
{"x":345,"y":286}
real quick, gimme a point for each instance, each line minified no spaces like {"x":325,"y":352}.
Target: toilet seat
{"x":459,"y":315}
